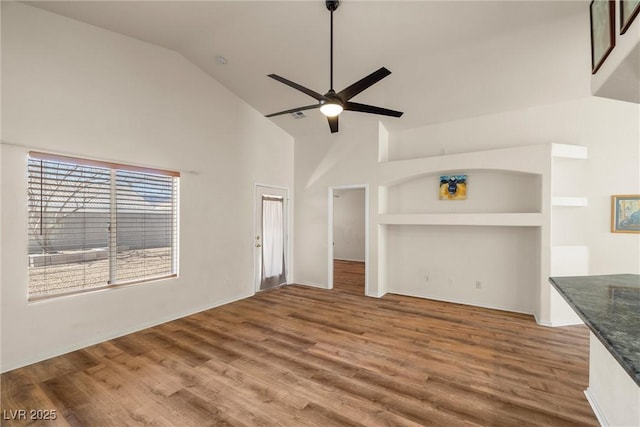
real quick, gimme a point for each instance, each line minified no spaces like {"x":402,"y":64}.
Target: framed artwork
{"x":625,"y":213}
{"x":603,"y":34}
{"x":628,"y":11}
{"x":453,"y":187}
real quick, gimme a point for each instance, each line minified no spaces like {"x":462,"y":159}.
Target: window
{"x":95,"y":224}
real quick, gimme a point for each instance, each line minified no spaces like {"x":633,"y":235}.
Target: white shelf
{"x":569,"y":201}
{"x":484,"y":219}
{"x":568,"y":151}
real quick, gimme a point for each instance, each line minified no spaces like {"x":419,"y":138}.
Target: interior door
{"x":271,"y":237}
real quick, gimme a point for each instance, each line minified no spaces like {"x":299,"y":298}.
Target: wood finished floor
{"x":303,"y":356}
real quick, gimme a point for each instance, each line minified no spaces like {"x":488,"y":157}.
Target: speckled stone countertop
{"x":610,"y":307}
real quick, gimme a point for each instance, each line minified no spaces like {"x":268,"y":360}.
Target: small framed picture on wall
{"x":628,"y":11}
{"x":603,"y":33}
{"x":453,"y":187}
{"x":625,"y":213}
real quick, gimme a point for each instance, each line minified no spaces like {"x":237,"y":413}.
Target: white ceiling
{"x":291,"y":39}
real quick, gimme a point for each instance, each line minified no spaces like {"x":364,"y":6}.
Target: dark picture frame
{"x":602,"y":15}
{"x":629,"y":9}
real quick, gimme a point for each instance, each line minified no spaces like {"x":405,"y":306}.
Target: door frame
{"x":366,"y":232}
{"x":288,"y":230}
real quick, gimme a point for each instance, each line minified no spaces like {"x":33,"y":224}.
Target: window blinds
{"x":94,"y":224}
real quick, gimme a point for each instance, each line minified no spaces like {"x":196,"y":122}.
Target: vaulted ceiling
{"x":419,"y":41}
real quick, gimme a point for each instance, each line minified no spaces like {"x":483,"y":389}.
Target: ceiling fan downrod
{"x":332,"y":5}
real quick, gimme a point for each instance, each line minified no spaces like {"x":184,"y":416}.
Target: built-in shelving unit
{"x":535,"y":202}
{"x":566,"y":259}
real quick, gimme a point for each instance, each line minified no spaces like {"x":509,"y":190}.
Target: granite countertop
{"x":610,"y":307}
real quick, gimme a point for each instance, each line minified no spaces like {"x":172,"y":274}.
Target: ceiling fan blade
{"x":293,"y":110}
{"x":313,"y":94}
{"x":363,"y":108}
{"x":373,"y":78}
{"x":333,"y":123}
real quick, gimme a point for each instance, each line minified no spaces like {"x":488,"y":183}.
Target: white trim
{"x":330,"y":233}
{"x":556,"y":324}
{"x":106,"y":337}
{"x":311,"y":284}
{"x":377,"y":295}
{"x":542,"y":322}
{"x":596,"y":408}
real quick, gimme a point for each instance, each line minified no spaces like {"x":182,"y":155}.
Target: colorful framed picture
{"x":625,"y":213}
{"x":453,"y":187}
{"x":603,"y":33}
{"x":628,"y":11}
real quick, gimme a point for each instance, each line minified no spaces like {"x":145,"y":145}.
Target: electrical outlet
{"x":478,"y":284}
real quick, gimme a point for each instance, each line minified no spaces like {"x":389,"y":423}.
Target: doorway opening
{"x":271,"y":244}
{"x":349,"y":238}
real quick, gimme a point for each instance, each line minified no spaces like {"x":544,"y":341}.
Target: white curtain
{"x":272,"y":237}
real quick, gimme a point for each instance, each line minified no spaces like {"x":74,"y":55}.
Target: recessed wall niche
{"x":493,"y":249}
{"x":487,"y":192}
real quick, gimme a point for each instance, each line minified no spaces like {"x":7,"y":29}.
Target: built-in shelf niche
{"x":487,"y":192}
{"x":408,"y":199}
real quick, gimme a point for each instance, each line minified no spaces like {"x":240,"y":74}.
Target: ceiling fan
{"x":332,"y":103}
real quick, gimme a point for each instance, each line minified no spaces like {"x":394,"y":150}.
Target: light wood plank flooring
{"x":303,"y":356}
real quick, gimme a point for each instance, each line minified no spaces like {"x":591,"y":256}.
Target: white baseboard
{"x":557,"y":324}
{"x":376,"y":295}
{"x":596,"y":409}
{"x":347,"y":259}
{"x":455,"y":301}
{"x":313,"y":285}
{"x":542,"y":322}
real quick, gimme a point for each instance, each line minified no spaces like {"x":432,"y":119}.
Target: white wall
{"x":446,"y":262}
{"x":349,"y":224}
{"x":610,"y":129}
{"x":328,"y":160}
{"x":71,"y":88}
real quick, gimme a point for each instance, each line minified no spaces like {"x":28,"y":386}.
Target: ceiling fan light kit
{"x":331,"y":104}
{"x":331,"y":109}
